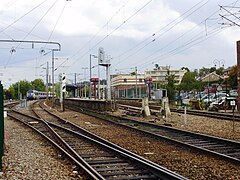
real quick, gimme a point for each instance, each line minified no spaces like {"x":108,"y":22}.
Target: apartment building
{"x":134,"y":86}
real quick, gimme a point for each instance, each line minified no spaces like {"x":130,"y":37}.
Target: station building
{"x":134,"y":85}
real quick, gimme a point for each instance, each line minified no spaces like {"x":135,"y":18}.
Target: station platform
{"x":91,"y":104}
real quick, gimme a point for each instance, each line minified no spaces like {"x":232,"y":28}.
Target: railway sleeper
{"x":134,"y":177}
{"x":105,"y":161}
{"x":132,"y":168}
{"x":234,"y":154}
{"x":135,"y":173}
{"x":110,"y":165}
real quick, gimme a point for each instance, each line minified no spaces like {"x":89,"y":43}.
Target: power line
{"x":130,"y":17}
{"x":23,"y":16}
{"x":165,"y":27}
{"x":57,"y":21}
{"x":180,"y":47}
{"x":33,"y":29}
{"x":95,"y":35}
{"x":193,"y":39}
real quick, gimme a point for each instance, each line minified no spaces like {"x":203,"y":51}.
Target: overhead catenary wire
{"x":184,"y":34}
{"x":4,"y":29}
{"x":187,"y":46}
{"x":33,"y":28}
{"x":55,"y":25}
{"x":95,"y":35}
{"x":105,"y":37}
{"x":199,"y":36}
{"x":165,"y":27}
{"x":146,"y":58}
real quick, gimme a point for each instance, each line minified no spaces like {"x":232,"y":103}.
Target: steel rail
{"x":223,"y":148}
{"x":71,"y":126}
{"x":157,"y":170}
{"x":217,"y":115}
{"x":42,"y":128}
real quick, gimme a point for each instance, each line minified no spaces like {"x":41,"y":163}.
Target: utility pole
{"x":85,"y":86}
{"x":90,"y":71}
{"x":136,"y":81}
{"x":52,"y":77}
{"x":90,"y":67}
{"x":47,"y":81}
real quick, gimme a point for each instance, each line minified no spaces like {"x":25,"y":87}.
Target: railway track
{"x":102,"y":159}
{"x":222,"y":148}
{"x":222,"y":115}
{"x":155,"y":109}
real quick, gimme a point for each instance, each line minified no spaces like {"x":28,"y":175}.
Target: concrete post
{"x":145,"y":107}
{"x":165,"y":107}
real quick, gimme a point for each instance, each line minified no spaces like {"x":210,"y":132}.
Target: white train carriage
{"x":34,"y":95}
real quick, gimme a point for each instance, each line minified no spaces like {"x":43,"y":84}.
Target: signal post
{"x":63,"y":90}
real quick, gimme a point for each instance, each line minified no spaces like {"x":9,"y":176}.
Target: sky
{"x":133,"y":33}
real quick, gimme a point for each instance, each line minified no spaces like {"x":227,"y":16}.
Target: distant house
{"x":212,"y":77}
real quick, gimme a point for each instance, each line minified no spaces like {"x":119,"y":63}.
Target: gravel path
{"x":29,"y":156}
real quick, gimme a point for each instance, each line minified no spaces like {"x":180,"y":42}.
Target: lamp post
{"x":90,"y":71}
{"x":220,"y":63}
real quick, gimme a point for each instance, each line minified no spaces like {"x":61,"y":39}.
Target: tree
{"x":188,"y":80}
{"x":38,"y":85}
{"x":203,"y":72}
{"x":185,"y":68}
{"x":170,"y":86}
{"x":190,"y":83}
{"x":232,"y":79}
{"x":22,"y":87}
{"x":157,"y":67}
{"x":220,"y":71}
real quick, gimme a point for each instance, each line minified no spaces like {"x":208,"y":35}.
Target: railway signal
{"x":64,"y":85}
{"x":63,"y":90}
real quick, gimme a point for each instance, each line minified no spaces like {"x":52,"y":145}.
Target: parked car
{"x":213,"y":97}
{"x":233,"y":92}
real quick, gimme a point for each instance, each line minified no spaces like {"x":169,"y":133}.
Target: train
{"x":34,"y":95}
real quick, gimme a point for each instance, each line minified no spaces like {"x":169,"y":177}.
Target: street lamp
{"x":220,"y":62}
{"x":90,"y":68}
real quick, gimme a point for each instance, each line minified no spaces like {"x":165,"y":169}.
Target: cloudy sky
{"x":133,"y":33}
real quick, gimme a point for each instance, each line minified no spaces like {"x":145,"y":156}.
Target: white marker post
{"x":233,"y":104}
{"x":185,"y":102}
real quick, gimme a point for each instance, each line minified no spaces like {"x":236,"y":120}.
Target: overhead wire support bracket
{"x":32,"y":42}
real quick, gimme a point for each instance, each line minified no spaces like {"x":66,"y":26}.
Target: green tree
{"x":170,"y":86}
{"x":190,"y":83}
{"x":203,"y":72}
{"x":220,"y":71}
{"x":38,"y":85}
{"x":22,"y":87}
{"x":232,"y":79}
{"x":188,"y":80}
{"x":185,"y":68}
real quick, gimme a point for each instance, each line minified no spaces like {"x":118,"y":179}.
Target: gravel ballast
{"x":28,"y":156}
{"x":42,"y":162}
